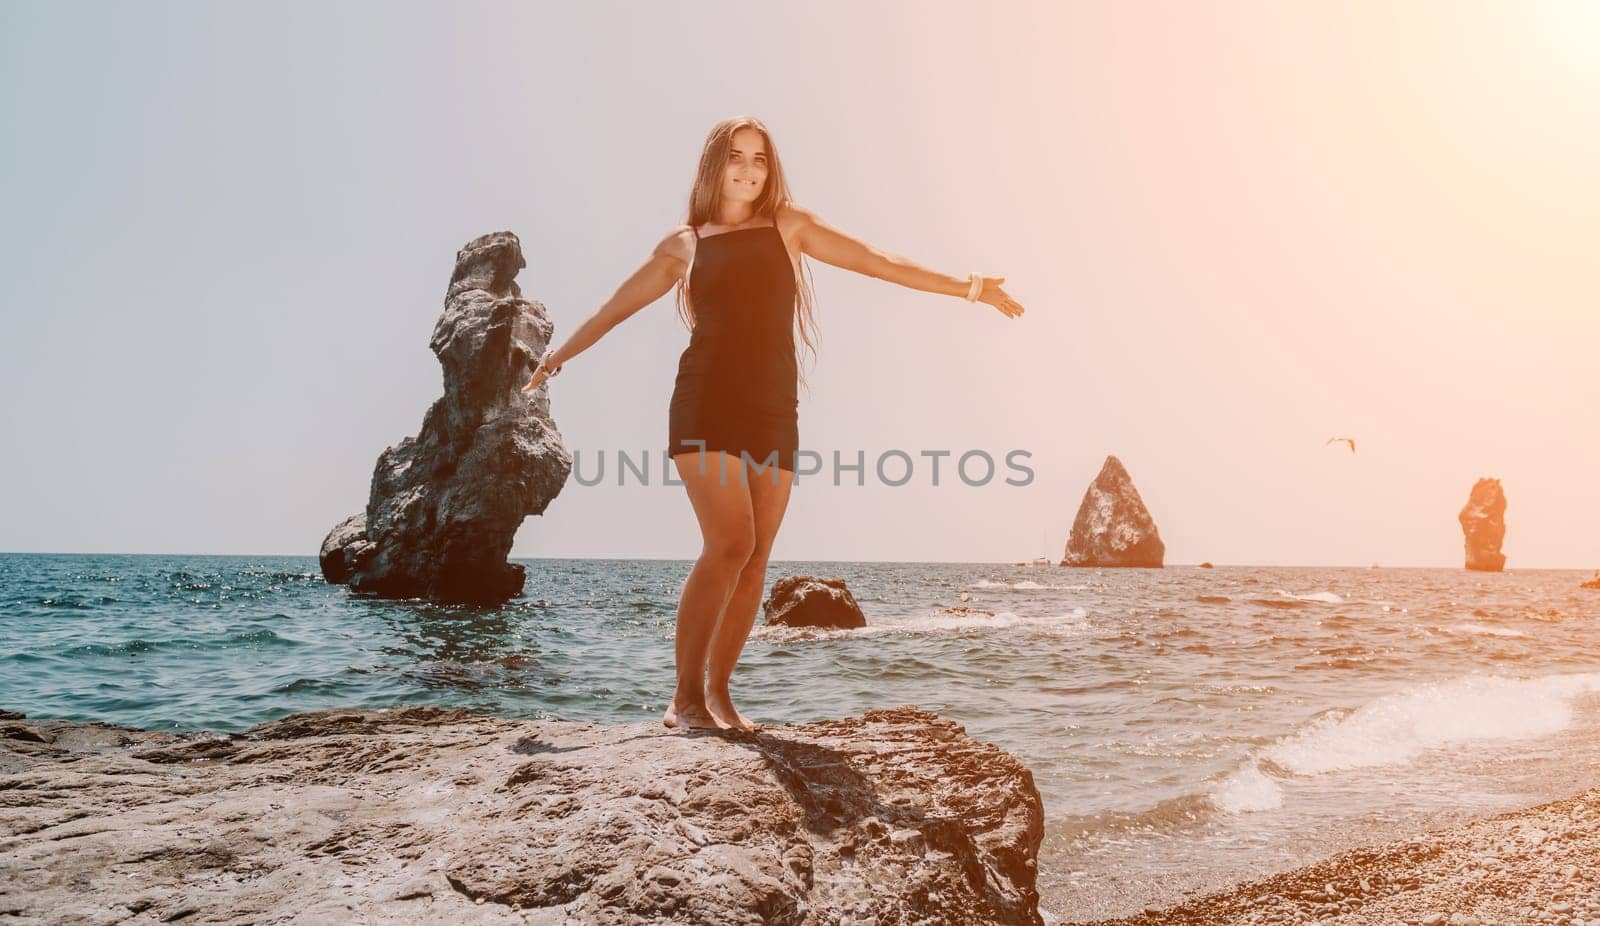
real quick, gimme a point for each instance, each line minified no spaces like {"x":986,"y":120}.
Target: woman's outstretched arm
{"x":832,"y":246}
{"x":650,"y":282}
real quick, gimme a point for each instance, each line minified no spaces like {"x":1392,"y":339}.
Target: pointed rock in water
{"x":1113,"y":528}
{"x":1592,"y":583}
{"x":420,"y":814}
{"x":445,"y":505}
{"x":1483,"y":520}
{"x":807,"y":601}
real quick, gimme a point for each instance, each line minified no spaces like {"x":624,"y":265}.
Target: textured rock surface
{"x":445,"y":505}
{"x":442,"y":816}
{"x":809,"y":601}
{"x":1113,"y":528}
{"x":1529,"y":866}
{"x":1592,"y":583}
{"x":1483,"y":520}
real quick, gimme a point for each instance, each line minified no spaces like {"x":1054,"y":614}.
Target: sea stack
{"x":445,"y":505}
{"x":1113,"y":527}
{"x":1483,"y":520}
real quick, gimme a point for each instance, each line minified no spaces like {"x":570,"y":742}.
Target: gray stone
{"x":445,"y":505}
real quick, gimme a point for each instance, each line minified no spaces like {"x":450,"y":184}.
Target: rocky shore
{"x":1533,"y":866}
{"x":431,"y":815}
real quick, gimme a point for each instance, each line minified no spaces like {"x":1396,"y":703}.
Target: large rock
{"x":809,"y":601}
{"x":1592,"y":583}
{"x":1483,"y":520}
{"x":445,"y":505}
{"x":428,"y":815}
{"x":1113,"y":528}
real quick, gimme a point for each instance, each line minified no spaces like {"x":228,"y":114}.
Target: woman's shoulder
{"x":791,"y":216}
{"x":677,"y":243}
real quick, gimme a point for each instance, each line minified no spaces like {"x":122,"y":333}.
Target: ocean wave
{"x":77,"y":602}
{"x":1399,"y":727}
{"x":1071,"y":623}
{"x":260,"y":637}
{"x":1324,"y":597}
{"x":1482,"y":630}
{"x":1026,"y":585}
{"x":1173,"y":813}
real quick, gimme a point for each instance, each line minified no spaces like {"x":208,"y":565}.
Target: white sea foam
{"x":1071,"y":623}
{"x":1324,"y":597}
{"x":1026,"y":585}
{"x":1398,"y":727}
{"x":1248,"y":790}
{"x":1484,"y":629}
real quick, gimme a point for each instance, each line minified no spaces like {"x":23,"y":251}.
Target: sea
{"x":1187,"y":727}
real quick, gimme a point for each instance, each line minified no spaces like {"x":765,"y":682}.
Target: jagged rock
{"x":1483,"y":520}
{"x":1592,"y":583}
{"x":807,"y":601}
{"x":1113,"y":528}
{"x":961,"y":610}
{"x":445,"y":505}
{"x":423,"y":814}
{"x":345,"y":548}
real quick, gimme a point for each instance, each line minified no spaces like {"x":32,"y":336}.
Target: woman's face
{"x":745,"y":176}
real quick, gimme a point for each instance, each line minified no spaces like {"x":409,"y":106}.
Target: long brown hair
{"x":705,"y":205}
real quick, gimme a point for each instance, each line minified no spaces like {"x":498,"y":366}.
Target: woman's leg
{"x":721,"y":502}
{"x":769,"y":498}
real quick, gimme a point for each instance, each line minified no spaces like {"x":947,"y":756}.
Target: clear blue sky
{"x":227,"y":230}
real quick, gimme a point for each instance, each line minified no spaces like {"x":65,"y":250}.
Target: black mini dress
{"x":736,"y":388}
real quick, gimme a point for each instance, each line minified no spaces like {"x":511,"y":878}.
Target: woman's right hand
{"x":542,"y":372}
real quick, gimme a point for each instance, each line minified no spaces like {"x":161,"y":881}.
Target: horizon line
{"x":934,"y":562}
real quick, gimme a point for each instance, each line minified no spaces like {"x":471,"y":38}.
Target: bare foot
{"x":693,"y":718}
{"x":721,"y":707}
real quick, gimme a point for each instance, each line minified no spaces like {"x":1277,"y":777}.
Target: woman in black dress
{"x":733,"y":424}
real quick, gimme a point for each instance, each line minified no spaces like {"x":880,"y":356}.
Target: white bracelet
{"x":975,"y":288}
{"x":546,"y":359}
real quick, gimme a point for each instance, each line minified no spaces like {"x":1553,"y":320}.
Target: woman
{"x":737,"y":266}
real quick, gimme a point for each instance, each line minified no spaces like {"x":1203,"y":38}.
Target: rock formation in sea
{"x":809,"y":601}
{"x":961,"y":610}
{"x":1113,"y":528}
{"x":1592,"y":583}
{"x":1207,"y":566}
{"x":1483,"y":521}
{"x":432,"y":815}
{"x":445,"y":505}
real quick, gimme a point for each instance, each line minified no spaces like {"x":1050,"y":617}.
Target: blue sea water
{"x":1186,"y":727}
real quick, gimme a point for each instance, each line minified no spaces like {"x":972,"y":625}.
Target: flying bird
{"x":1349,"y":440}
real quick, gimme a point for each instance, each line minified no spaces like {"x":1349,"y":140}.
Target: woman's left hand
{"x":992,"y":294}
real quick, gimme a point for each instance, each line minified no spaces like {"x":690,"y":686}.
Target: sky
{"x":1238,"y":229}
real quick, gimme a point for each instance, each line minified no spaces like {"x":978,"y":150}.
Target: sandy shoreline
{"x":1540,"y":864}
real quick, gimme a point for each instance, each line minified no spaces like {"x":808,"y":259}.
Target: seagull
{"x":1349,"y":440}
